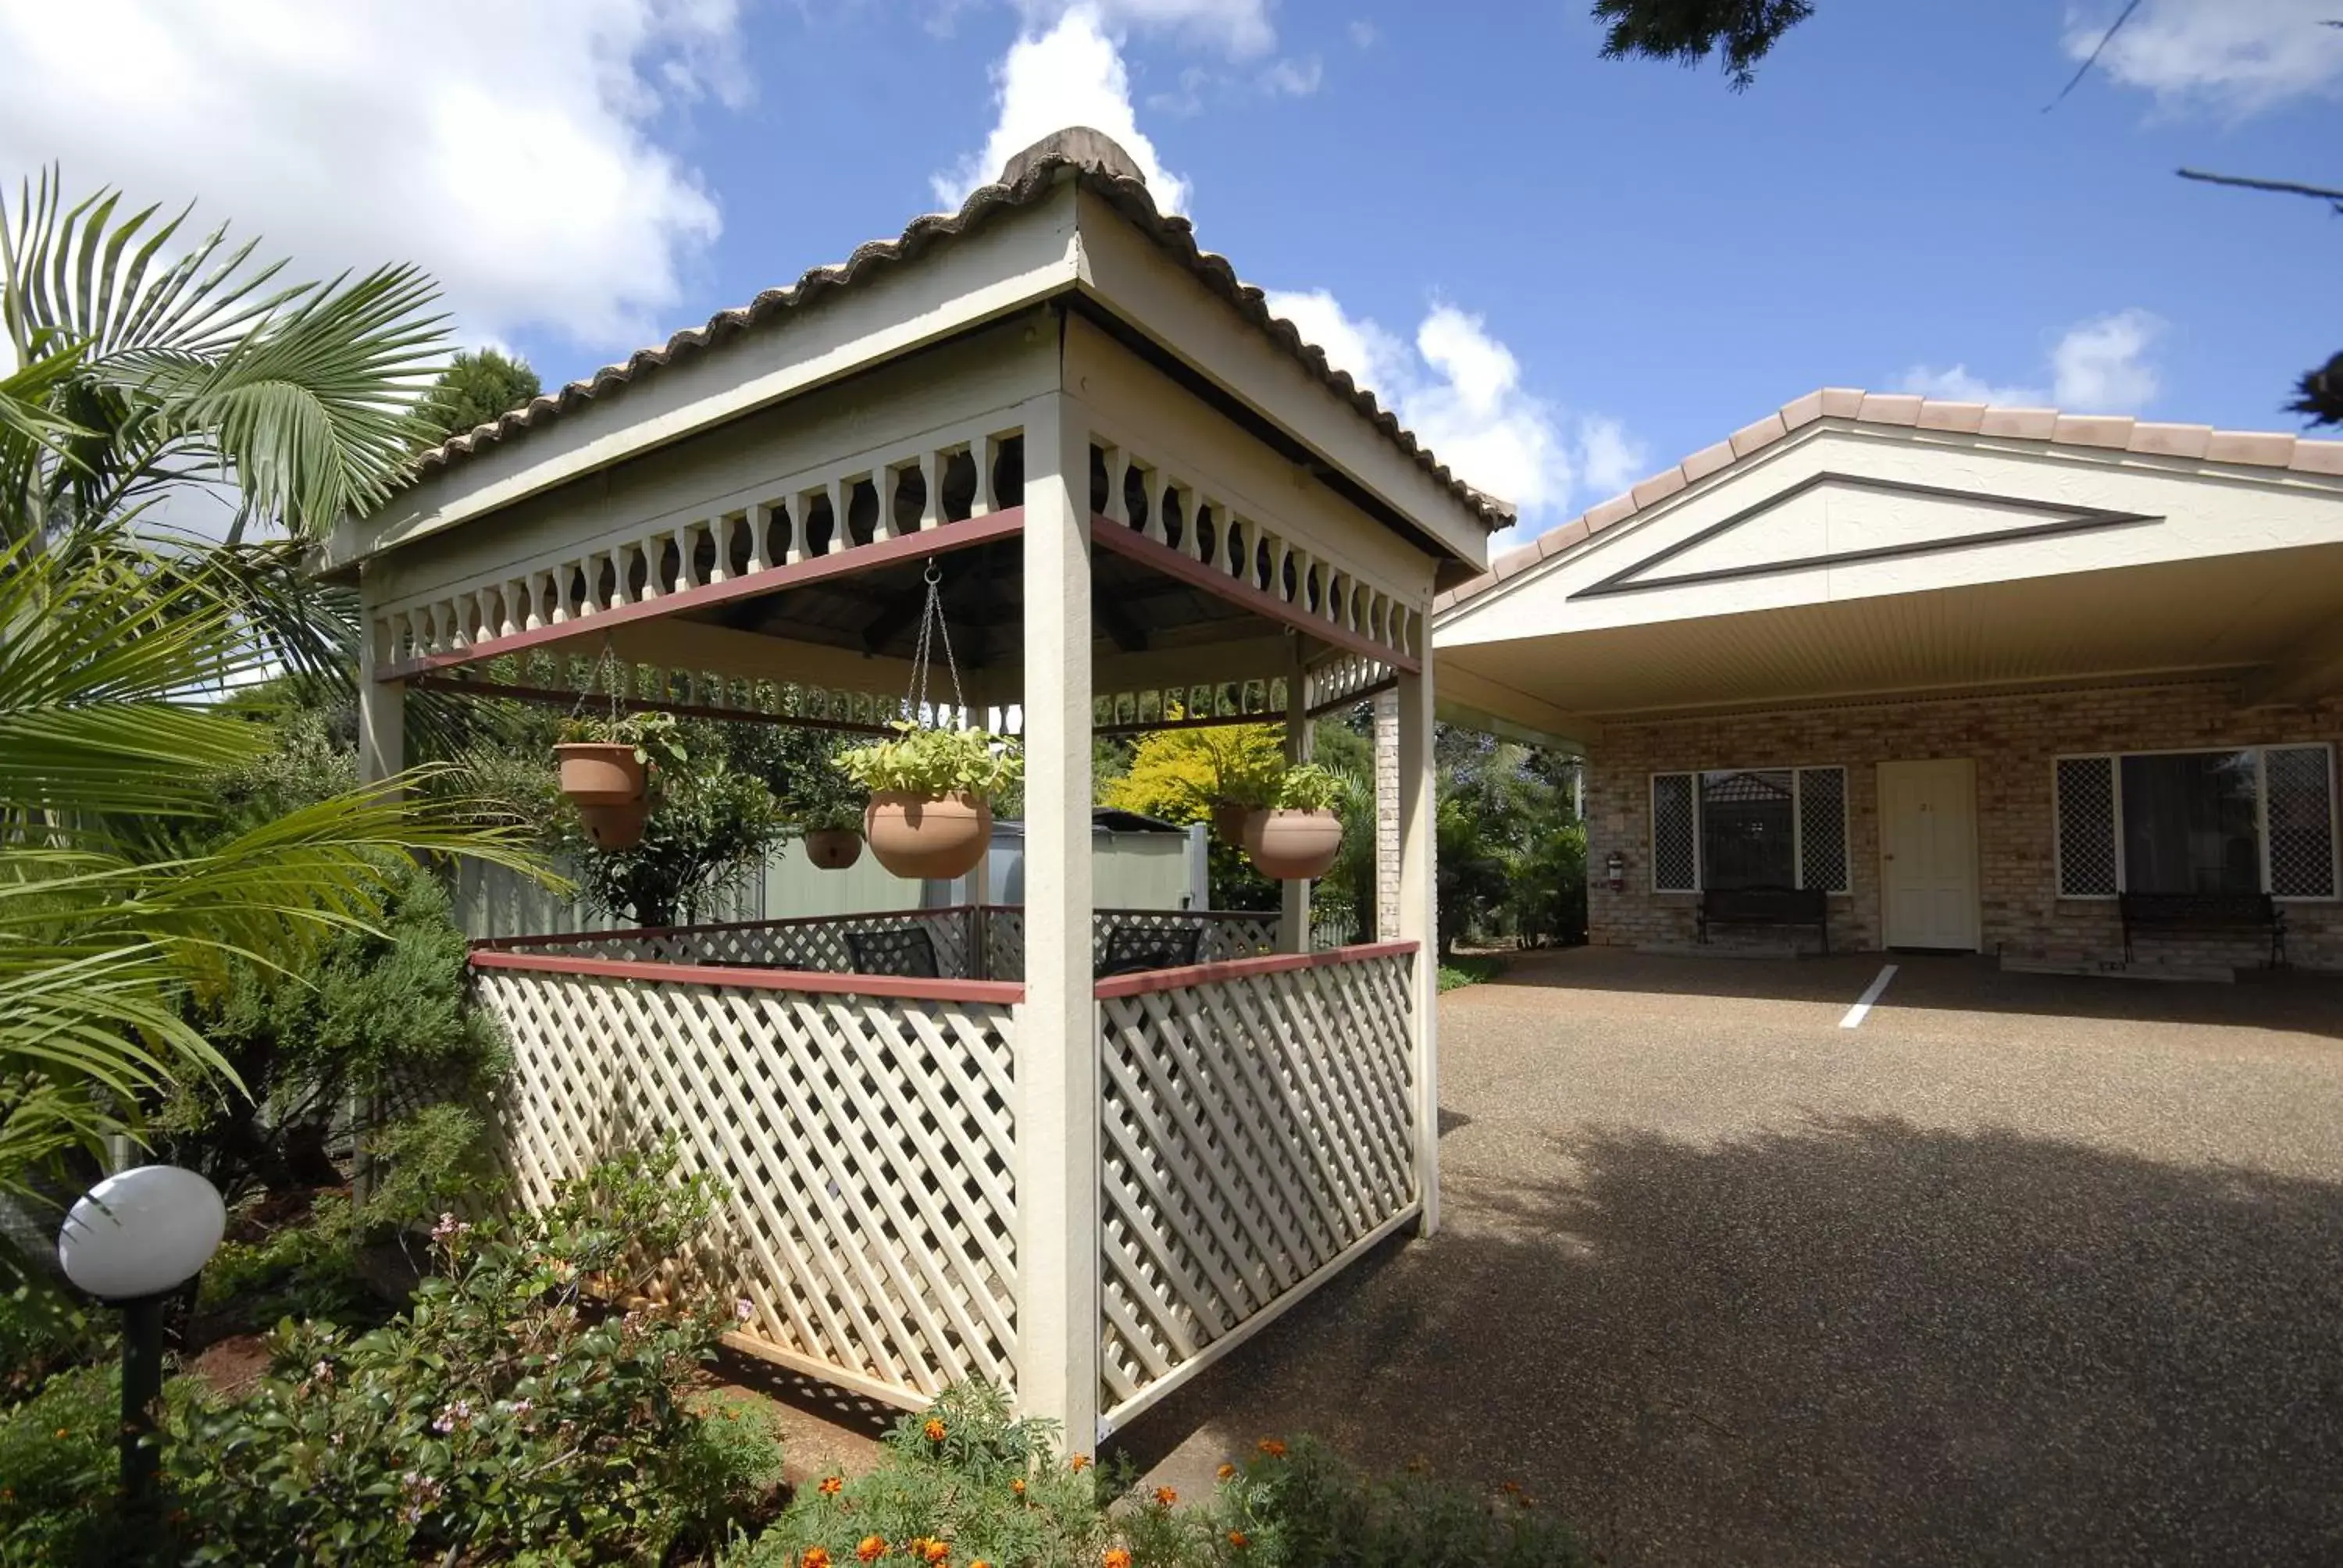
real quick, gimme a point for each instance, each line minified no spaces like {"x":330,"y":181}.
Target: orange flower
{"x":830,"y":1484}
{"x":1511,"y":1486}
{"x":1166,"y":1496}
{"x":1272,"y":1447}
{"x":872,"y":1548}
{"x":1018,"y":1486}
{"x":1237,"y":1539}
{"x":1116,"y":1557}
{"x":934,"y":1430}
{"x":1080,"y":1461}
{"x":816,"y":1557}
{"x":937,"y":1551}
{"x":1227,"y":1472}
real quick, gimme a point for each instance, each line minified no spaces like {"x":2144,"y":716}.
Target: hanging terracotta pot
{"x":927,"y":837}
{"x":834,"y":848}
{"x":599,"y":772}
{"x":1229,"y":821}
{"x":1293,"y":846}
{"x":619,"y":827}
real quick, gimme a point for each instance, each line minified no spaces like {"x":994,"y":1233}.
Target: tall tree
{"x":480,"y":384}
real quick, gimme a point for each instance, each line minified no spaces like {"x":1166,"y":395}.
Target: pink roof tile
{"x":2025,"y":424}
{"x":2249,"y":446}
{"x":1963,"y":419}
{"x":1763,"y":433}
{"x":2170,"y":440}
{"x":1659,"y":486}
{"x":2093,"y":430}
{"x":1889,"y":409}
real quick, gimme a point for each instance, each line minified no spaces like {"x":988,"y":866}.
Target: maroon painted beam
{"x":960,"y":536}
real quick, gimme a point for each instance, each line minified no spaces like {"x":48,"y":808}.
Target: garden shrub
{"x":58,"y":1453}
{"x":506,"y":1415}
{"x":965,"y":1484}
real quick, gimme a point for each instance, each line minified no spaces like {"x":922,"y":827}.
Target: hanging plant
{"x":605,"y":770}
{"x":932,"y":794}
{"x":1297,"y":836}
{"x":931,"y":788}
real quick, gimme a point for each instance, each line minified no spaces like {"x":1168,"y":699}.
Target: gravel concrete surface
{"x":2024,"y":1268}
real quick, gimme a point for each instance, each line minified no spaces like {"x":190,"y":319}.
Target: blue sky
{"x":1566,"y":271}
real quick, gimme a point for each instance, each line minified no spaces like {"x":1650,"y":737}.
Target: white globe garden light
{"x":130,"y":1240}
{"x":142,"y":1233}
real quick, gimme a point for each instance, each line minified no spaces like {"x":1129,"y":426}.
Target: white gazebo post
{"x":382,"y":704}
{"x":1294,"y":895}
{"x":1056,"y":1067}
{"x":1419,"y":920}
{"x":1386,"y":913}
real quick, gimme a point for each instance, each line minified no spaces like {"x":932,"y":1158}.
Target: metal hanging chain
{"x":932,"y":630}
{"x":605,"y":670}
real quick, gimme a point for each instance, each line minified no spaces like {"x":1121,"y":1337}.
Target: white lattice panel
{"x":1251,"y":1132}
{"x":1228,"y":933}
{"x":866,"y":1142}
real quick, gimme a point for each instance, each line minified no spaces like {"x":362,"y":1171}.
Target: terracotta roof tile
{"x":1961,"y":419}
{"x":1103,"y":168}
{"x":2269,"y":450}
{"x":2170,"y":440}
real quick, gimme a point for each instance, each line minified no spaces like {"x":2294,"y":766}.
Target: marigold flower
{"x":1080,"y":1461}
{"x":831,"y":1484}
{"x":1018,"y":1486}
{"x":1166,"y":1496}
{"x":1115,"y":1557}
{"x":871,"y":1549}
{"x":1238,"y":1539}
{"x":1227,"y":1472}
{"x":1272,"y":1447}
{"x":934,"y":1430}
{"x":937,"y":1551}
{"x":816,"y":1557}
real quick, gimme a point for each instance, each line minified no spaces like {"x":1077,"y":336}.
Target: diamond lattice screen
{"x":2086,"y":826}
{"x":1253,"y":1130}
{"x":2301,"y":821}
{"x":866,"y":1144}
{"x":1822,"y":828}
{"x":1676,"y":848}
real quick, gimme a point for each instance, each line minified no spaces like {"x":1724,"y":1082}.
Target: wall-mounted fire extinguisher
{"x":1615,"y":870}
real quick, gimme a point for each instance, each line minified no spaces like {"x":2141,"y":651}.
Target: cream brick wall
{"x":2014,"y":740}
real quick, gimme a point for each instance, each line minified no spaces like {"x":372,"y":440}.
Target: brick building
{"x":1975,"y":674}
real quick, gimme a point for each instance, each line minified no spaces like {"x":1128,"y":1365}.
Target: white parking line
{"x":1855,"y":1015}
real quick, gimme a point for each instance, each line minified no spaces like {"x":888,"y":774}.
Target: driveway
{"x":2021,"y":1268}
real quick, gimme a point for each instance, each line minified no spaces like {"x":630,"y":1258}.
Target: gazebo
{"x":1148,"y":503}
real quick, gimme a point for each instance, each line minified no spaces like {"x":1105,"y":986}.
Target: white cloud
{"x":1071,"y":75}
{"x":1609,"y":459}
{"x":2235,"y":56}
{"x":2101,"y":366}
{"x":509,"y":149}
{"x":1293,"y":78}
{"x":1459,"y":389}
{"x":1957,"y":384}
{"x":1363,"y":35}
{"x":2097,"y":366}
{"x":1238,"y":29}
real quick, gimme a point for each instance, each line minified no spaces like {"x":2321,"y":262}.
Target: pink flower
{"x":744,"y":1310}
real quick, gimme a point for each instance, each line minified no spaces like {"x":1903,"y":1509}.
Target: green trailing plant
{"x":59,"y":1466}
{"x":657,"y":738}
{"x":922,"y":761}
{"x":1307,"y":787}
{"x":800,"y":767}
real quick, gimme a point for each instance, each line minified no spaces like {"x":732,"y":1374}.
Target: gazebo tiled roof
{"x":2258,"y":449}
{"x":1103,"y":168}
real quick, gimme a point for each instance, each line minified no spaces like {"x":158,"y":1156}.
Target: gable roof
{"x":2257,"y":448}
{"x":1101,"y":167}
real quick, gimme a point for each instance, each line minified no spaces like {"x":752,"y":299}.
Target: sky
{"x":1564,"y":272}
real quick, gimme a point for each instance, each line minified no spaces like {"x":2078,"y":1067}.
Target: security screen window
{"x":2191,"y":822}
{"x":1748,"y":829}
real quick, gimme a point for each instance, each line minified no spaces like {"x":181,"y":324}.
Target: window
{"x":1749,"y":828}
{"x":2252,"y":819}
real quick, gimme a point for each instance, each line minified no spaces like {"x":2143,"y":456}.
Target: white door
{"x":1927,"y":853}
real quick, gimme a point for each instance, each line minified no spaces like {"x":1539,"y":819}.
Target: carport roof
{"x":2253,"y":448}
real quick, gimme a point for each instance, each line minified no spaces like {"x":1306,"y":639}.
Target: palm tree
{"x":134,"y":383}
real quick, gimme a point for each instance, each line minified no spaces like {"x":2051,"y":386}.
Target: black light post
{"x":131,"y":1240}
